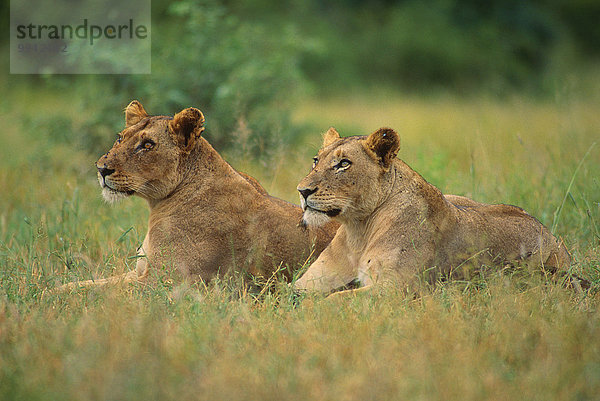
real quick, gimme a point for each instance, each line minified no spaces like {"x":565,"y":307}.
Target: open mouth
{"x":333,"y":212}
{"x":330,"y":213}
{"x":117,"y":192}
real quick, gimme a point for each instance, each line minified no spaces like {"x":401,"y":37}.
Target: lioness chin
{"x":205,"y":217}
{"x":395,"y":225}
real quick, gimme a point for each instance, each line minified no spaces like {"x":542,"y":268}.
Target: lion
{"x":205,"y":217}
{"x":396,"y":226}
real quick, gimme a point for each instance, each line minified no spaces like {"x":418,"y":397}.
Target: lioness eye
{"x":147,"y":144}
{"x":344,"y":163}
{"x":315,"y":161}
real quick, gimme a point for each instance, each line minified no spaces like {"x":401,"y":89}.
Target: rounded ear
{"x":186,"y":127}
{"x":134,"y":113}
{"x":385,"y":144}
{"x":330,"y":137}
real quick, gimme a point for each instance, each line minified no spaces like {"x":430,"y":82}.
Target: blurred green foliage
{"x":501,"y":45}
{"x":580,"y":18}
{"x":239,"y":74}
{"x":244,"y":63}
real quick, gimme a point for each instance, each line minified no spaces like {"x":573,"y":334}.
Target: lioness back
{"x":507,"y":233}
{"x":395,"y":225}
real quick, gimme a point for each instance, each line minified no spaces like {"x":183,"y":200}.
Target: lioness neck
{"x":203,"y":170}
{"x":406,"y":198}
{"x":411,"y":187}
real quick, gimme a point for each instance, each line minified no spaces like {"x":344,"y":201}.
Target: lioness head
{"x":147,"y":156}
{"x":349,"y":176}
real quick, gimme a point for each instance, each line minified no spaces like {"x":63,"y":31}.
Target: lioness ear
{"x":134,"y":113}
{"x":186,"y":127}
{"x":330,"y":137}
{"x":385,"y":143}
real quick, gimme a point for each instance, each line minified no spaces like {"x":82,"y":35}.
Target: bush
{"x":581,"y":18}
{"x":238,"y":73}
{"x":452,"y":44}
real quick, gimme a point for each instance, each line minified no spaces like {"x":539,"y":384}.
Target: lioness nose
{"x":306,"y":192}
{"x":105,"y":171}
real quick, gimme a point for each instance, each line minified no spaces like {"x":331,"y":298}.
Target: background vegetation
{"x":246,"y":63}
{"x":498,"y":102}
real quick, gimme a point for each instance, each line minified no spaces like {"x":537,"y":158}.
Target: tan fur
{"x":395,"y":226}
{"x":205,"y":217}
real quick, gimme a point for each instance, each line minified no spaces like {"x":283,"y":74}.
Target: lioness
{"x":205,"y":217}
{"x":394,"y":224}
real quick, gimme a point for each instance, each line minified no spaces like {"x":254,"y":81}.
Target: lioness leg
{"x":384,"y":272}
{"x":324,"y":277}
{"x":353,"y":291}
{"x":128,"y":277}
{"x":330,"y":271}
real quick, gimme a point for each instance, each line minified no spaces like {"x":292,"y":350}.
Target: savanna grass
{"x":516,"y":334}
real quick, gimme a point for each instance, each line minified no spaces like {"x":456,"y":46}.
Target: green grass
{"x":505,"y":336}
